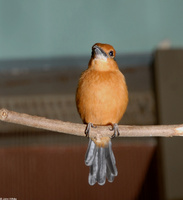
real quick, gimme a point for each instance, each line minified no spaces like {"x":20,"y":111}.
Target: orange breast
{"x":102,"y":96}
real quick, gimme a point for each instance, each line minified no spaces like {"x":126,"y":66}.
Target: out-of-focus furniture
{"x":169,"y":92}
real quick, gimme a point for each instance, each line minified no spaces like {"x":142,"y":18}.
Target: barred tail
{"x":102,"y":163}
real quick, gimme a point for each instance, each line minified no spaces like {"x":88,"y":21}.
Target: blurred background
{"x":44,"y":47}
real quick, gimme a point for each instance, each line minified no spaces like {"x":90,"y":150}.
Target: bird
{"x":101,"y":100}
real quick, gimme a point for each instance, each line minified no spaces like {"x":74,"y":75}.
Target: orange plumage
{"x":102,"y":94}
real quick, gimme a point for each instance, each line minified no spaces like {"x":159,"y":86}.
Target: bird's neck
{"x":102,"y":64}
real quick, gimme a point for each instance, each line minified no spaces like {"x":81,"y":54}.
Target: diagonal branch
{"x":79,"y":129}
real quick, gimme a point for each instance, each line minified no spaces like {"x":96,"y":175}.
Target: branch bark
{"x":79,"y":129}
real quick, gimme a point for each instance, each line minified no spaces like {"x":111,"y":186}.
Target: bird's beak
{"x":99,"y":52}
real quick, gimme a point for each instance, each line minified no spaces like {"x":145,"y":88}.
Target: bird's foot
{"x":88,"y":127}
{"x":115,"y":129}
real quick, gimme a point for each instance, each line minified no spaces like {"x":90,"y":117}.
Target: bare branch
{"x":79,"y":129}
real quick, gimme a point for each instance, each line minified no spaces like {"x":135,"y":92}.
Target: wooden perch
{"x":79,"y":129}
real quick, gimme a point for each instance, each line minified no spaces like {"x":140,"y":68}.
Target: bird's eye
{"x":111,"y":53}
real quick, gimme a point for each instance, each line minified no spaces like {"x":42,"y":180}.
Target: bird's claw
{"x":88,"y":127}
{"x":115,"y":129}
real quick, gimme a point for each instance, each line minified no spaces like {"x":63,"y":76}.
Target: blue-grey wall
{"x":48,"y":28}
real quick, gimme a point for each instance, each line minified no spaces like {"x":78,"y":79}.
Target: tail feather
{"x":110,"y":176}
{"x":101,"y":176}
{"x":111,"y":162}
{"x":102,"y":163}
{"x":90,"y":153}
{"x":92,"y":178}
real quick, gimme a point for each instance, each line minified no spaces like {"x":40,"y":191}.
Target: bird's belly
{"x":106,"y":105}
{"x":102,"y":97}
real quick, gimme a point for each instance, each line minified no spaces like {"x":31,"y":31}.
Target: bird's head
{"x":103,"y":57}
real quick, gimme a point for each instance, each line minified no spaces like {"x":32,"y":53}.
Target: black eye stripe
{"x":99,"y":49}
{"x":103,"y":52}
{"x":96,"y":50}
